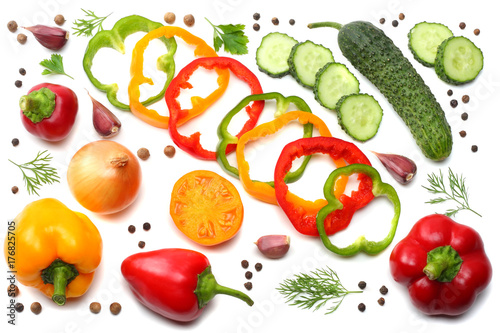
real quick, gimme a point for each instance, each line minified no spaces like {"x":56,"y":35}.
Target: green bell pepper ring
{"x":379,"y":188}
{"x":226,"y":139}
{"x":114,"y":39}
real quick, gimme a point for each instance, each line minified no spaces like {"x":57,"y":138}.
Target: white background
{"x":270,"y":313}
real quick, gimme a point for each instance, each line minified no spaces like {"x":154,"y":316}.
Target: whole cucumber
{"x":376,"y":56}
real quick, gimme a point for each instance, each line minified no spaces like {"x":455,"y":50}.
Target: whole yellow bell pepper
{"x":56,"y":249}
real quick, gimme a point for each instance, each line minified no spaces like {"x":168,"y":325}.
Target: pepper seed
{"x":292,"y":22}
{"x":362,"y":284}
{"x":244,"y":263}
{"x":384,"y":290}
{"x":95,"y":307}
{"x":474,"y":148}
{"x":381,"y":301}
{"x":476,"y":32}
{"x":395,"y":23}
{"x":22,"y":71}
{"x":19,"y":307}
{"x":248,"y":275}
{"x":258,"y":267}
{"x":465,"y":116}
{"x":465,"y":98}
{"x":256,"y":16}
{"x":169,"y":151}
{"x":401,"y":16}
{"x":115,"y":308}
{"x":362,"y":307}
{"x":142,"y":244}
{"x":462,"y":25}
{"x":14,"y":189}
{"x":449,"y":92}
{"x":15,"y":142}
{"x":146,"y":226}
{"x":18,"y":83}
{"x":256,"y":27}
{"x":131,"y":229}
{"x":382,"y":20}
{"x":463,"y":133}
{"x":275,"y":21}
{"x":22,"y":38}
{"x":248,"y":285}
{"x":36,"y":308}
{"x":453,"y":103}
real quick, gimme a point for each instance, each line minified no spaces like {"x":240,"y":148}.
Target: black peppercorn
{"x":95,"y":307}
{"x":465,"y":116}
{"x":18,"y":83}
{"x":256,"y":27}
{"x":14,"y":189}
{"x":384,"y":290}
{"x":477,"y":32}
{"x":473,"y":148}
{"x":453,"y":103}
{"x":381,"y":301}
{"x":36,"y":308}
{"x":465,"y":98}
{"x":292,"y":21}
{"x":142,"y":244}
{"x":115,"y":308}
{"x":15,"y":142}
{"x":362,"y":285}
{"x":248,"y":285}
{"x":256,"y":16}
{"x":248,"y":275}
{"x":131,"y":229}
{"x":382,"y":20}
{"x":462,"y":25}
{"x":401,"y":16}
{"x":244,"y":263}
{"x":22,"y":71}
{"x":19,"y":307}
{"x":361,"y":307}
{"x":450,"y":92}
{"x":275,"y":21}
{"x":258,"y":267}
{"x":146,"y":226}
{"x":463,"y":133}
{"x":395,"y":23}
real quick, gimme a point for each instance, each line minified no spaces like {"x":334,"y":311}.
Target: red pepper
{"x":48,"y":111}
{"x":443,"y":264}
{"x":303,"y":213}
{"x":192,"y":143}
{"x":175,"y":283}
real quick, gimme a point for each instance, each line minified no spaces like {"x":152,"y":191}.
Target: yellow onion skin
{"x":104,"y":177}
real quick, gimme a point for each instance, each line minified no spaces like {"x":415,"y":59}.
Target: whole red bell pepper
{"x":49,"y":111}
{"x":175,"y":283}
{"x":443,"y":264}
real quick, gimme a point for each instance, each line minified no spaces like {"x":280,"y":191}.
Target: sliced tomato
{"x":206,"y":207}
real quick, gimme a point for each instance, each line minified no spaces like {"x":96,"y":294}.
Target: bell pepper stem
{"x":208,"y":287}
{"x":443,"y":264}
{"x":60,"y":274}
{"x":434,"y":269}
{"x":38,"y":104}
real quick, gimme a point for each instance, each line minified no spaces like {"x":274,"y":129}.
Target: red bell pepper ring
{"x":302,"y":213}
{"x":192,"y":143}
{"x":49,"y":111}
{"x":443,"y":264}
{"x":175,"y":283}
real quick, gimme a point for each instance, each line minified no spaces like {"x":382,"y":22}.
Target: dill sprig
{"x":457,"y":192}
{"x":314,"y":290}
{"x":86,"y":27}
{"x":42,"y":172}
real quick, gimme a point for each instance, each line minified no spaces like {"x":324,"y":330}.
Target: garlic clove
{"x":52,"y":38}
{"x":105,"y":122}
{"x":400,"y":167}
{"x":273,"y":246}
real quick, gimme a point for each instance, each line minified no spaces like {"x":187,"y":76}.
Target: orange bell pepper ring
{"x":262,"y":190}
{"x":53,"y":249}
{"x":200,"y":104}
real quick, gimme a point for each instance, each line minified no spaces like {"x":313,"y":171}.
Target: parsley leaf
{"x":231,"y":36}
{"x":54,"y":65}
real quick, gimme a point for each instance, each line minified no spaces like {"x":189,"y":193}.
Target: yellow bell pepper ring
{"x":53,"y":249}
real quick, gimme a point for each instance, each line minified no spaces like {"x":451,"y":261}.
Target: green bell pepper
{"x":282,"y":104}
{"x":114,"y":39}
{"x":378,"y":189}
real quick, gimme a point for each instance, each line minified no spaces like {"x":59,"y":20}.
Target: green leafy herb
{"x":42,"y":172}
{"x":231,"y":36}
{"x":86,"y":27}
{"x":314,"y":290}
{"x":54,"y":65}
{"x":457,"y":192}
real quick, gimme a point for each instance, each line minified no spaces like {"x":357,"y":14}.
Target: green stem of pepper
{"x":60,"y":274}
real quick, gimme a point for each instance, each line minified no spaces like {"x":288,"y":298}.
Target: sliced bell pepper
{"x":114,"y":39}
{"x":200,"y":104}
{"x":226,"y":139}
{"x":192,"y":143}
{"x":265,"y":190}
{"x":302,"y":213}
{"x":378,"y":189}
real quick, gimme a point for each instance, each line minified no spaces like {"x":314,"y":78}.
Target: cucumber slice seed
{"x":359,"y":115}
{"x":334,"y":81}
{"x":424,"y":39}
{"x":458,"y":60}
{"x":306,"y":59}
{"x":273,"y":52}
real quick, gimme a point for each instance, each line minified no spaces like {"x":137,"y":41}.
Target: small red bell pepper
{"x":302,"y":213}
{"x":443,"y":264}
{"x":49,"y":111}
{"x":192,"y":143}
{"x":175,"y":283}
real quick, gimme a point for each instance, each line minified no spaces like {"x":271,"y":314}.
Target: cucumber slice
{"x":273,"y":52}
{"x":424,"y":39}
{"x":333,"y":81}
{"x":359,"y":115}
{"x":458,"y":60}
{"x":306,"y":59}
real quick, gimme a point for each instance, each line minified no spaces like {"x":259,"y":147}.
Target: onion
{"x":104,"y":177}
